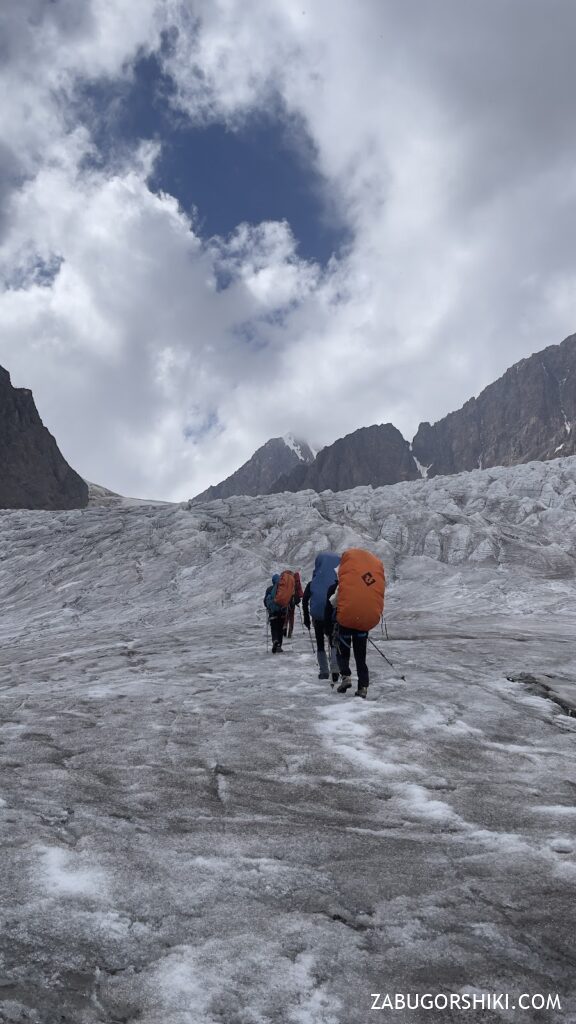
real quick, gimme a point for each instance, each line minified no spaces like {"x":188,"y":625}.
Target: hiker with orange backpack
{"x":296,"y":599}
{"x":313,"y":606}
{"x":277,"y":603}
{"x":354,"y":606}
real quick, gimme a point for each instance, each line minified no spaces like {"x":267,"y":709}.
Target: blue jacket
{"x":322,"y":578}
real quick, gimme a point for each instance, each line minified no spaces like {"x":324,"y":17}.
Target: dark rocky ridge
{"x":374,"y":455}
{"x":528,"y":413}
{"x":33,"y":472}
{"x":257,"y":475}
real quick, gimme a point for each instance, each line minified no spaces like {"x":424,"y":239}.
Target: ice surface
{"x":195,"y":832}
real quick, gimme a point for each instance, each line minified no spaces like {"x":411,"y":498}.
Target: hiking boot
{"x":344,"y":685}
{"x":362,"y":691}
{"x":335,"y":677}
{"x":323,"y":675}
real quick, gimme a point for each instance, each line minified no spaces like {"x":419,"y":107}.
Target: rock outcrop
{"x":33,"y":472}
{"x":528,"y":413}
{"x":374,"y":455}
{"x":278,"y":456}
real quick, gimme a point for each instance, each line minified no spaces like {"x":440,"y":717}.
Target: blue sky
{"x":262,"y":169}
{"x":226,"y":220}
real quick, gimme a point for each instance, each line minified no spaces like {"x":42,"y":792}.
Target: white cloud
{"x":161,"y":360}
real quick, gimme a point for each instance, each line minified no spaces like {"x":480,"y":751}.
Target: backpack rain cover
{"x":361,"y":585}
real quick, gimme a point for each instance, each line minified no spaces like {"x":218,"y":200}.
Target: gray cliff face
{"x":528,"y":413}
{"x":374,"y":455}
{"x":33,"y":473}
{"x":258,"y":474}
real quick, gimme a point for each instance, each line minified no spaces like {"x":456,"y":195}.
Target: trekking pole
{"x":301,"y":619}
{"x":383,"y":627}
{"x":385,"y":658}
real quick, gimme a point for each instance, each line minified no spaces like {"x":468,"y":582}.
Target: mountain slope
{"x":33,"y":473}
{"x":528,"y":413}
{"x":277,"y":456}
{"x":374,"y":455}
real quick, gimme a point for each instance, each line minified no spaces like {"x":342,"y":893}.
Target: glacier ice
{"x":195,"y":832}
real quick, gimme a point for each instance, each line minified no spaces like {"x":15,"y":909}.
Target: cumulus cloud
{"x":161,"y":359}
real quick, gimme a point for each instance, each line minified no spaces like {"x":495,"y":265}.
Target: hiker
{"x":354,"y":605}
{"x":277,"y":603}
{"x":298,"y":595}
{"x":313,"y":607}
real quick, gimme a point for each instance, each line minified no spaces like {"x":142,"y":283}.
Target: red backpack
{"x":361,"y":585}
{"x":285,"y":589}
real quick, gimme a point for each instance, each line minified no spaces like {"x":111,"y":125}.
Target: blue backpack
{"x":322,"y":578}
{"x":269,"y":601}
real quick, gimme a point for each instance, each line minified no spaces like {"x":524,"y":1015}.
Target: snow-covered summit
{"x":303,"y":451}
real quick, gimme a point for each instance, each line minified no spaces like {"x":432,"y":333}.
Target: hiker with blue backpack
{"x":313,"y":608}
{"x":277,"y":601}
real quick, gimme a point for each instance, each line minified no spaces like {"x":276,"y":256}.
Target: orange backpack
{"x":361,"y":584}
{"x":285,"y":589}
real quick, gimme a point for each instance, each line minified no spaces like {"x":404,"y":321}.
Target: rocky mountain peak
{"x":278,"y":456}
{"x":33,"y":472}
{"x":371,"y":455}
{"x":528,"y":413}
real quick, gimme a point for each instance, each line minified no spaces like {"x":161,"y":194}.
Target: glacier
{"x":194,"y":832}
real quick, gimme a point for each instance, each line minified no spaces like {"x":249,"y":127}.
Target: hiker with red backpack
{"x":313,"y":606}
{"x":354,"y":606}
{"x":296,"y":599}
{"x":277,"y":603}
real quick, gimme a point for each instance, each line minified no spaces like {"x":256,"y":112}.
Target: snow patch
{"x":567,"y":424}
{"x":423,"y":470}
{"x":418,"y":803}
{"x":65,"y":873}
{"x":347,"y":731}
{"x":560,"y":809}
{"x":295,"y":446}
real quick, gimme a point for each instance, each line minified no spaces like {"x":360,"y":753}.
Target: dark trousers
{"x":277,"y":628}
{"x":353,"y":639}
{"x":320,"y":635}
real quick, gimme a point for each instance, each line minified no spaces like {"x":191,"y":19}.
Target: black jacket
{"x":329,"y":611}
